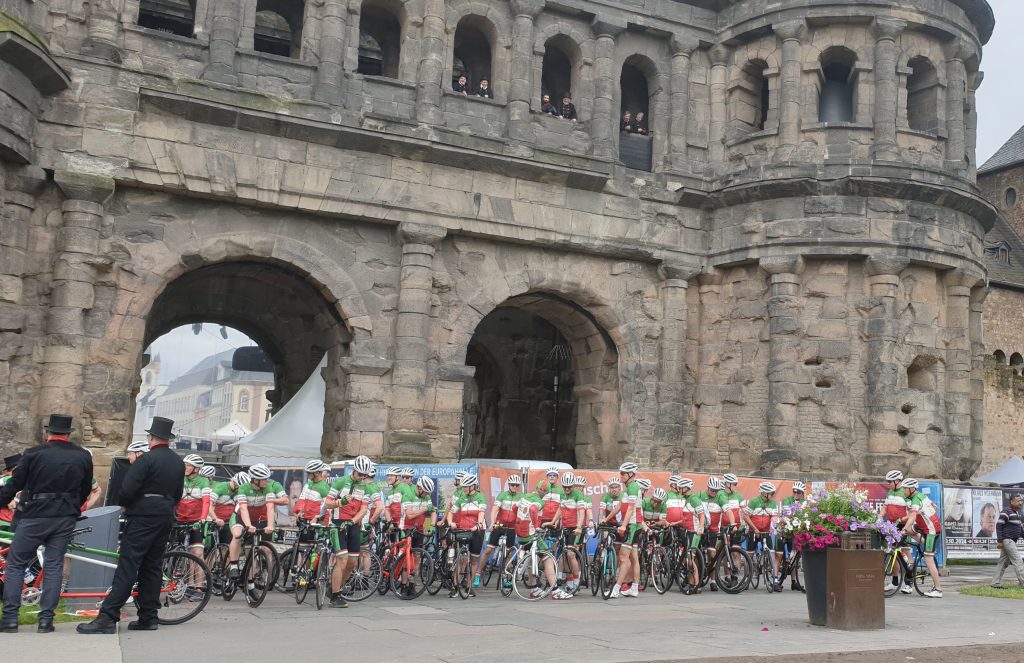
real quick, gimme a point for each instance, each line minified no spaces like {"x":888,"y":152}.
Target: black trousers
{"x":54,"y":534}
{"x":141,"y":554}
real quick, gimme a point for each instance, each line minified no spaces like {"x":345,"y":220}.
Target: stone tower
{"x":782,"y":274}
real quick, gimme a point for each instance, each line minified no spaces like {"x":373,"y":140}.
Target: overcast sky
{"x":1001,"y":95}
{"x":180,"y":349}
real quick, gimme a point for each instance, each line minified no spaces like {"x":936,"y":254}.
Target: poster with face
{"x":958,"y":515}
{"x":986,"y":511}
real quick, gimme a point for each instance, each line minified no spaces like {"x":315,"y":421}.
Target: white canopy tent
{"x":232,"y":432}
{"x":1010,"y":473}
{"x":292,"y":436}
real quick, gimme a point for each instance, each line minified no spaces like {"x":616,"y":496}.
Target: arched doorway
{"x":545,"y":386}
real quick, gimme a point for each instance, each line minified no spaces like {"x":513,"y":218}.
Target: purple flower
{"x":853,"y":526}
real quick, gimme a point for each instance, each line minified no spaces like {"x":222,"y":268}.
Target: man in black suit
{"x":54,"y":479}
{"x":150,"y":492}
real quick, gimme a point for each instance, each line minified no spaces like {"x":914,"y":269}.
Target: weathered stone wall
{"x":1004,"y":319}
{"x":994,"y":186}
{"x":1004,"y":415}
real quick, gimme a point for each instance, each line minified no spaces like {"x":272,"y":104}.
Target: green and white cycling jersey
{"x":654,"y":512}
{"x":506,"y":502}
{"x":223,"y":500}
{"x":415,"y":511}
{"x":572,"y":505}
{"x":631,"y":497}
{"x":466,"y":510}
{"x":255,"y":500}
{"x":761,"y":511}
{"x":396,"y":496}
{"x":610,"y":505}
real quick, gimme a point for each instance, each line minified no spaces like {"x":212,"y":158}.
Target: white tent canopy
{"x":292,"y":436}
{"x":230,"y":433}
{"x":1009,"y":473}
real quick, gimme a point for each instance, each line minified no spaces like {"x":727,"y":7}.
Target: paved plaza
{"x":648,"y":628}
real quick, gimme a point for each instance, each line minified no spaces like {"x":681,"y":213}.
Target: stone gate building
{"x":785,"y":275}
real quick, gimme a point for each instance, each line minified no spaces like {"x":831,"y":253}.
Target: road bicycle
{"x":603,"y":564}
{"x":565,"y":551}
{"x":183,"y":588}
{"x":911,"y":572}
{"x":499,"y":557}
{"x":687,"y":561}
{"x":763,"y":558}
{"x":407,"y":571}
{"x":527,"y":570}
{"x":792,"y":567}
{"x":730,"y":565}
{"x":443,"y":553}
{"x":257,"y":567}
{"x":461,"y":562}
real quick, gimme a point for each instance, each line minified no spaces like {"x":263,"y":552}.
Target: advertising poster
{"x":969,"y":518}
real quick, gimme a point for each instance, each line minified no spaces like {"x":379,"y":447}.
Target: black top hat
{"x":59,"y":424}
{"x":11,"y":461}
{"x":161,"y":428}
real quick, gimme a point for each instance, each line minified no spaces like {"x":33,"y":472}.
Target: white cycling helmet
{"x":426,"y":484}
{"x":314,"y":466}
{"x":324,"y":467}
{"x":469,"y":480}
{"x":394,"y":471}
{"x":615,"y":481}
{"x":674,"y":480}
{"x":629,"y":468}
{"x":799,"y":487}
{"x":568,"y":479}
{"x":242,"y":479}
{"x":515,"y":480}
{"x":138,"y":447}
{"x":408,"y":472}
{"x":714,"y":483}
{"x":659,"y":494}
{"x":643,"y":483}
{"x":195,"y":460}
{"x":581,"y":480}
{"x":909,"y":483}
{"x":259,"y":471}
{"x":730,"y":478}
{"x":766,"y":487}
{"x":207,"y":471}
{"x":894,"y":475}
{"x":684,"y":483}
{"x":459,"y":475}
{"x":364,"y":465}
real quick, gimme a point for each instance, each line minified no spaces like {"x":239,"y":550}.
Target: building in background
{"x":145,"y":402}
{"x":212,"y":403}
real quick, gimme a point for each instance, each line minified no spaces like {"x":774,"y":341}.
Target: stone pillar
{"x":881,"y":331}
{"x":887,"y":84}
{"x":784,"y":370}
{"x":975,"y":322}
{"x":412,"y":332}
{"x":682,"y":49}
{"x":707,"y":396}
{"x":521,"y":89}
{"x":958,"y":365}
{"x":71,"y":291}
{"x":225,"y":29}
{"x":329,"y":72}
{"x":604,"y":126}
{"x":790,"y":78}
{"x":103,"y":30}
{"x":428,"y":77}
{"x":971,"y":124}
{"x":956,"y":96}
{"x":719,"y":56}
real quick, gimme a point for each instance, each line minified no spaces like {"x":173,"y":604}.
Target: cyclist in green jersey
{"x":417,"y":515}
{"x":758,"y":514}
{"x":467,"y":514}
{"x":797,"y":498}
{"x":503,"y":520}
{"x":310,"y":505}
{"x":350,"y":495}
{"x":255,"y":507}
{"x":629,"y":525}
{"x":611,"y":502}
{"x":222,"y":511}
{"x":456,"y":494}
{"x":655,"y":508}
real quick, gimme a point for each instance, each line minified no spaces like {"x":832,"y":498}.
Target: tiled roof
{"x":205,"y":373}
{"x":1010,"y":154}
{"x":998,"y":271}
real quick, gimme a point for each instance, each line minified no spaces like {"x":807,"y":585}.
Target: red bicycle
{"x":407,"y":570}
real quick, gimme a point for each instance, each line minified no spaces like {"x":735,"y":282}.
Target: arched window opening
{"x":278,"y":28}
{"x":380,"y":42}
{"x":922,"y":96}
{"x":635,"y":145}
{"x":922,"y":374}
{"x":999,"y":356}
{"x":837,"y":98}
{"x":243,"y":401}
{"x":474,"y":44}
{"x":635,"y":96}
{"x":176,"y":17}
{"x":558,"y":68}
{"x":749,"y":98}
{"x":1010,"y":198}
{"x":1016,"y":363}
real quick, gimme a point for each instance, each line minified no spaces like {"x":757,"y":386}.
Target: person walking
{"x":54,"y":478}
{"x":150,"y":492}
{"x":1008,"y":532}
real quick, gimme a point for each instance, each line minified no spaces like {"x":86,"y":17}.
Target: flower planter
{"x":844,"y":588}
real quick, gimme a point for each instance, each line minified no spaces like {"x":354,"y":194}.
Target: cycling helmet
{"x":363,"y":465}
{"x":408,"y":472}
{"x":659,"y":494}
{"x":643,"y":483}
{"x":314,"y":466}
{"x":629,"y":468}
{"x":459,"y":475}
{"x":895,"y":475}
{"x":194,"y":460}
{"x":207,"y":471}
{"x":138,"y":447}
{"x":714,"y":483}
{"x":674,"y":480}
{"x":552,"y":472}
{"x":711,"y":480}
{"x":515,"y":480}
{"x":394,"y":471}
{"x":259,"y":471}
{"x":684,"y":483}
{"x":909,"y":483}
{"x":324,"y":467}
{"x":730,"y":478}
{"x":568,"y":479}
{"x":469,"y":480}
{"x":242,"y":479}
{"x":767,"y":487}
{"x":614,"y":481}
{"x":799,"y":487}
{"x":426,"y":484}
{"x":581,"y":480}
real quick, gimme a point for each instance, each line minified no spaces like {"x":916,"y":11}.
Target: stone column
{"x":975,"y":323}
{"x":958,"y":362}
{"x":225,"y":29}
{"x":71,"y":291}
{"x":887,"y":84}
{"x":521,"y":89}
{"x":971,"y":124}
{"x":790,"y":78}
{"x":881,"y":331}
{"x":784,"y":370}
{"x":956,"y":95}
{"x":428,"y":77}
{"x":604,"y":126}
{"x":670,"y":429}
{"x":103,"y":30}
{"x":329,"y":72}
{"x":412,"y":330}
{"x":682,"y":49}
{"x":719,"y":56}
{"x":707,"y":396}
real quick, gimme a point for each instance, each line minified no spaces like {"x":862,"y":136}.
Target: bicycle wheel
{"x":324,"y":570}
{"x":256,"y":577}
{"x":595,"y":571}
{"x":273,"y":563}
{"x":893,"y":571}
{"x":408,"y":588}
{"x":507,"y":572}
{"x":463,"y":572}
{"x":217,"y":562}
{"x":184,"y":588}
{"x":608,"y":573}
{"x":661,"y":570}
{"x":365,"y":578}
{"x":733,"y":570}
{"x":230,"y":587}
{"x":286,"y":571}
{"x":387,"y":563}
{"x":922,"y":578}
{"x":755,"y":578}
{"x":532,"y":586}
{"x":689,"y":573}
{"x":767,"y":572}
{"x":442,"y":572}
{"x":568,"y":556}
{"x":496,"y":560}
{"x":300,"y":574}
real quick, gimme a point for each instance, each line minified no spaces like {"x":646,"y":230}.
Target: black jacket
{"x":568,"y":111}
{"x":485,"y":92}
{"x":152,"y":485}
{"x":1008,"y":525}
{"x":55,"y":480}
